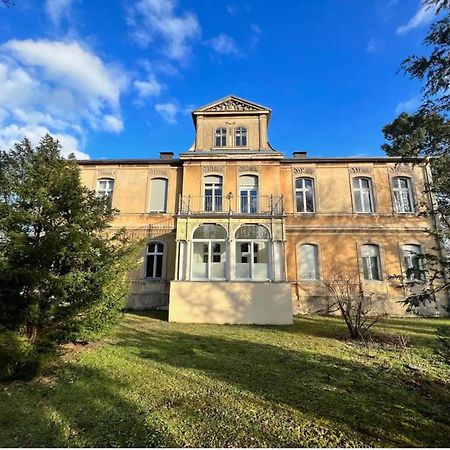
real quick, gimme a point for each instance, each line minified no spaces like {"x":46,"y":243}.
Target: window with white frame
{"x":412,"y":259}
{"x":248,"y":193}
{"x":370,"y":254}
{"x":209,"y":252}
{"x":403,"y":198}
{"x":309,"y":262}
{"x":213,"y":193}
{"x":158,"y":195}
{"x":155,"y":260}
{"x":240,"y":137}
{"x":304,"y":195}
{"x":220,"y":137}
{"x":252,"y":252}
{"x":105,"y":189}
{"x":363,"y":195}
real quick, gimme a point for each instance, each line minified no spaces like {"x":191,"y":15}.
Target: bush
{"x":18,"y":358}
{"x":443,"y":334}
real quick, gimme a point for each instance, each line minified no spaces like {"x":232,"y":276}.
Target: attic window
{"x":221,"y":137}
{"x":240,"y":136}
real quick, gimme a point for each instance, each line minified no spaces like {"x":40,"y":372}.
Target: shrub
{"x":18,"y":358}
{"x":443,"y":334}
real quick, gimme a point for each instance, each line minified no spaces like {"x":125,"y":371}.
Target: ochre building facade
{"x":238,"y":233}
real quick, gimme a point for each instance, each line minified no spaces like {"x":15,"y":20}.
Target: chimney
{"x":300,"y":155}
{"x":165,"y":155}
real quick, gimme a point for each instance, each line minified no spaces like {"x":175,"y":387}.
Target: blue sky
{"x":118,"y":78}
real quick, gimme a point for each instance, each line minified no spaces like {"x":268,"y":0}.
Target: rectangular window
{"x":309,"y":262}
{"x":413,"y":263}
{"x":370,"y":254}
{"x":155,"y":255}
{"x":304,"y":195}
{"x":363,"y":196}
{"x":158,"y":195}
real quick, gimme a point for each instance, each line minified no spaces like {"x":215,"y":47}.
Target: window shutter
{"x":308,"y":262}
{"x":158,"y":195}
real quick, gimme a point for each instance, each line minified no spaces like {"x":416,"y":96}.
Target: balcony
{"x":266,"y":205}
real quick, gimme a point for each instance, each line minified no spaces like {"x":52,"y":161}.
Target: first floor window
{"x":248,"y":191}
{"x":155,"y":255}
{"x":371,"y":262}
{"x":403,"y":202}
{"x":213,"y":193}
{"x":158,"y":195}
{"x":106,"y":189}
{"x":413,"y":263}
{"x":304,"y":195}
{"x":363,"y":196}
{"x":309,"y":262}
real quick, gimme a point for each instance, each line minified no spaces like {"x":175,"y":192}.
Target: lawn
{"x":151,"y":383}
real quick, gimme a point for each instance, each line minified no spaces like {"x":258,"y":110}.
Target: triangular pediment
{"x":232,"y":104}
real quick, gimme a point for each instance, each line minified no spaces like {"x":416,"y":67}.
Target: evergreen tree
{"x":58,"y":258}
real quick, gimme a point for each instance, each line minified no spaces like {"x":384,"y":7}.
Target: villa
{"x":239,"y":233}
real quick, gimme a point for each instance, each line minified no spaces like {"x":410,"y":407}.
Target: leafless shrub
{"x":347,"y":296}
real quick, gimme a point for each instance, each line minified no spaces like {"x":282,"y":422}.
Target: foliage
{"x":426,"y":134}
{"x":57,"y":253}
{"x":443,"y":334}
{"x":154,"y":384}
{"x":346,"y":295}
{"x":18,"y":358}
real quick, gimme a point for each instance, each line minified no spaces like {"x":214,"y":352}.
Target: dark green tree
{"x":59,"y":260}
{"x":426,"y":134}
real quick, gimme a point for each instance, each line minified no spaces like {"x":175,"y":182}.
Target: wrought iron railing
{"x":228,"y":204}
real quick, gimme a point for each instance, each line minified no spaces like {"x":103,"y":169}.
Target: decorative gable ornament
{"x":232,"y":105}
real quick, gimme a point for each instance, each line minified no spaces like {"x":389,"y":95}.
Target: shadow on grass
{"x":83,"y":408}
{"x":378,"y":402}
{"x":156,"y":314}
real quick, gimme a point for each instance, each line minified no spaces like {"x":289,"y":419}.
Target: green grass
{"x":152,"y":383}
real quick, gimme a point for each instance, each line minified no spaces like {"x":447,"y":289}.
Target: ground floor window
{"x":209,"y":253}
{"x":155,"y":257}
{"x":252,"y":253}
{"x":371,"y":262}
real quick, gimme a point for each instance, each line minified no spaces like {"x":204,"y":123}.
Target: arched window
{"x":105,"y":189}
{"x":403,"y":198}
{"x":221,"y":137}
{"x":213,"y":193}
{"x":155,"y":260}
{"x":240,"y":137}
{"x":158,"y":195}
{"x":309,"y":262}
{"x":304,"y":195}
{"x":252,"y":253}
{"x":412,"y":259}
{"x":248,"y":191}
{"x":363,"y":195}
{"x":209,"y":253}
{"x":370,"y":254}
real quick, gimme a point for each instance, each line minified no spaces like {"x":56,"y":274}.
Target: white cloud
{"x":58,"y":10}
{"x":224,"y":44}
{"x":150,"y":20}
{"x":57,"y":87}
{"x":424,"y":15}
{"x":407,"y":106}
{"x":13,"y":133}
{"x":168,"y":111}
{"x":148,"y":88}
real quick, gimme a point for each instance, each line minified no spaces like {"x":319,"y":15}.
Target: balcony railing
{"x":218,"y":204}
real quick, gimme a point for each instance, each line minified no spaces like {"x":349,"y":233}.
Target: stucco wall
{"x":230,"y":302}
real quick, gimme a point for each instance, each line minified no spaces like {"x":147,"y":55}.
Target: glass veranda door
{"x":213,"y":194}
